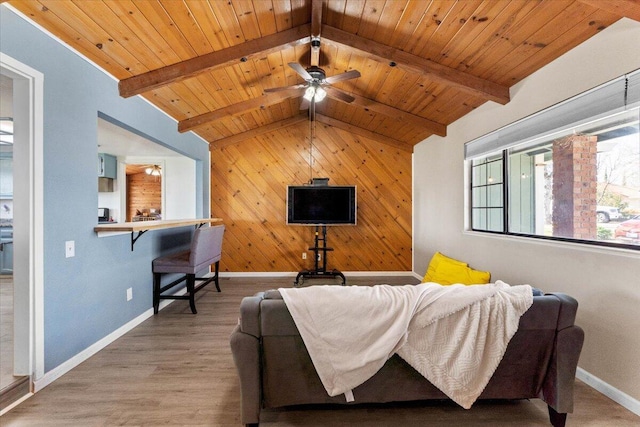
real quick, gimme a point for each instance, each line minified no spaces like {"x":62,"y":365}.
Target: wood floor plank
{"x":176,"y":369}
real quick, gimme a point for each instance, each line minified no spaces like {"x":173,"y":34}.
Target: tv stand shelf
{"x":319,"y":272}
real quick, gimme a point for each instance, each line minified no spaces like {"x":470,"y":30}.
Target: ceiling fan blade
{"x":344,"y":76}
{"x":338,"y":94}
{"x":283,"y":88}
{"x":300,"y":70}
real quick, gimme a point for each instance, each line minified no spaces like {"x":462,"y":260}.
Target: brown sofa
{"x":275,"y":369}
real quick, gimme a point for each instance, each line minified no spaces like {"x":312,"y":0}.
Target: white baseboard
{"x":84,"y":355}
{"x":612,"y":393}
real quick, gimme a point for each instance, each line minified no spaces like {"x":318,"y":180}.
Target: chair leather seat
{"x":179,"y":263}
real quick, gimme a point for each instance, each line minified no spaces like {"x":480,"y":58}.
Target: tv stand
{"x":319,"y":272}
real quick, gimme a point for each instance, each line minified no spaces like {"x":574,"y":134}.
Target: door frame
{"x":28,"y":93}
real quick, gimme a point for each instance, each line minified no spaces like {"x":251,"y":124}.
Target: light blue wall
{"x":85,"y":296}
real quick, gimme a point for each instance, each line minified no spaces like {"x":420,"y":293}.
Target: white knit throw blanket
{"x":455,"y":336}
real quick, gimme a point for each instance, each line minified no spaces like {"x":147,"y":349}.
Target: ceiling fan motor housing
{"x":317,"y":73}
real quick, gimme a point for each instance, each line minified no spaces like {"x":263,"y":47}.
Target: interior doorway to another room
{"x":7,"y":374}
{"x":21,"y":220}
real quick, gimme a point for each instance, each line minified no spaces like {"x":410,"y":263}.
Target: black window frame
{"x":505,"y":194}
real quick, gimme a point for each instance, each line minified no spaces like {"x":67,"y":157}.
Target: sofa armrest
{"x":250,"y":314}
{"x":246,"y":355}
{"x":557,"y":389}
{"x":568,"y":310}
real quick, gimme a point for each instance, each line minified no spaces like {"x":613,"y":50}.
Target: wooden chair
{"x":206,"y":249}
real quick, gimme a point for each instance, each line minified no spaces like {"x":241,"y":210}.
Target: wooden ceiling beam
{"x":627,"y":8}
{"x":394,"y":113}
{"x":238,"y":108}
{"x":303,"y":117}
{"x":240,"y":137}
{"x":276,"y":97}
{"x":215,"y":60}
{"x":363,"y":132}
{"x":415,"y":64}
{"x":316,"y":27}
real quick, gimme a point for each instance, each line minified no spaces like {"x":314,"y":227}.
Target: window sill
{"x":578,"y":246}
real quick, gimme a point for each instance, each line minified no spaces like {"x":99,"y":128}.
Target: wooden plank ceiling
{"x":423,"y":63}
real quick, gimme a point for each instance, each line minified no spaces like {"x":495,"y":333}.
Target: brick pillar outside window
{"x":574,"y":187}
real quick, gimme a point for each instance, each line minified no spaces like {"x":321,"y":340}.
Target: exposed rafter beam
{"x":222,"y":58}
{"x":628,"y":8}
{"x":434,"y":127}
{"x":276,"y":97}
{"x":316,"y":17}
{"x":416,"y":64}
{"x":363,"y":132}
{"x":240,"y":137}
{"x":316,"y":27}
{"x":238,"y":108}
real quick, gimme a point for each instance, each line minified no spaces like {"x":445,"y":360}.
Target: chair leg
{"x":557,"y":419}
{"x":156,"y":292}
{"x":191,"y":282}
{"x":216,"y":276}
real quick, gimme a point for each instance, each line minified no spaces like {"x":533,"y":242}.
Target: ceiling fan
{"x":149,"y":169}
{"x":317,"y":84}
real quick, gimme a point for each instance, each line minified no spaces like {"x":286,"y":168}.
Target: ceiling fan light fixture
{"x":309,"y":93}
{"x":320,"y":94}
{"x":314,"y":92}
{"x":153,"y":170}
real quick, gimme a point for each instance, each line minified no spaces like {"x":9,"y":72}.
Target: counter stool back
{"x":206,"y":249}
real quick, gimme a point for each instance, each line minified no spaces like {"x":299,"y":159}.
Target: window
{"x":577,"y":181}
{"x":487,"y":190}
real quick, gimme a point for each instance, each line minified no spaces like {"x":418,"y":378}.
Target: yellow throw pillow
{"x":448,"y":271}
{"x":435,"y":262}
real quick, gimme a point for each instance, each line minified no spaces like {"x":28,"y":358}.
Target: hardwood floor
{"x":9,"y":383}
{"x":176,"y":369}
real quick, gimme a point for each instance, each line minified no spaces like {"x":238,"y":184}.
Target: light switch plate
{"x":69,"y":248}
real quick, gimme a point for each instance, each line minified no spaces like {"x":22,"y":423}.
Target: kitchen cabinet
{"x":107,"y":166}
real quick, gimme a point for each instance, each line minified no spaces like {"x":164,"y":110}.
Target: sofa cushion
{"x":447,"y":271}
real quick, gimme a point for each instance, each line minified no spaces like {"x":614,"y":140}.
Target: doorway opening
{"x":21,"y":223}
{"x":144,"y":192}
{"x":9,"y":378}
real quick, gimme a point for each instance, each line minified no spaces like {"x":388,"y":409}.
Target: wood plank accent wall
{"x":143,"y":192}
{"x":248,"y":190}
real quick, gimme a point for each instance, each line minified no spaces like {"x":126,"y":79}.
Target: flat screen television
{"x":321,"y":205}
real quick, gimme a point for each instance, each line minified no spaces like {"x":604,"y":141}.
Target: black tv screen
{"x":321,"y":205}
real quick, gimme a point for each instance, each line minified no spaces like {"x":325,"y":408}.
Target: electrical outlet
{"x":69,"y":248}
{"x":304,"y":255}
{"x":129,"y":294}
